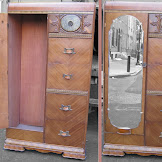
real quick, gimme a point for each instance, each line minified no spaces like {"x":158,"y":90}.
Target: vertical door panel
{"x":3,"y":72}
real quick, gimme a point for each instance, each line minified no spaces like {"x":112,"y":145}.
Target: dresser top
{"x":43,"y":8}
{"x":135,"y":6}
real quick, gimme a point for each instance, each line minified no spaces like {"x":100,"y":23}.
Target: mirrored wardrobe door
{"x":125,"y":58}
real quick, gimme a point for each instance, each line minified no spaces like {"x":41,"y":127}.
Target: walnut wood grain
{"x":25,"y":135}
{"x":120,"y":150}
{"x":76,"y":131}
{"x":154,"y":51}
{"x":109,"y":17}
{"x":4,"y":123}
{"x":33,"y":69}
{"x":69,"y":152}
{"x":14,"y":68}
{"x":154,"y":81}
{"x":133,"y":6}
{"x":56,"y":51}
{"x":80,"y":79}
{"x":50,"y":7}
{"x":153,"y":131}
{"x":78,"y":104}
{"x":154,"y":108}
{"x":114,"y":138}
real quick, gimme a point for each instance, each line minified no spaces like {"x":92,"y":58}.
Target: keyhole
{"x":70,"y":23}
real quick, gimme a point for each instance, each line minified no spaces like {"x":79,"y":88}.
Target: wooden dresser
{"x":46,"y":58}
{"x":146,"y":137}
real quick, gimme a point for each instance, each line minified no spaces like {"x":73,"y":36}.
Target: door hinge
{"x":144,"y":64}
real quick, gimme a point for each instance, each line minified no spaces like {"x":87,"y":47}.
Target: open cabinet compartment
{"x":27,"y":61}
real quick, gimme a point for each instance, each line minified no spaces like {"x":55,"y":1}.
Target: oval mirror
{"x":125,"y":72}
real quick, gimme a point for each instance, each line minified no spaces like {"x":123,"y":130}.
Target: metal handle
{"x":65,"y":108}
{"x":160,"y":110}
{"x":67,"y":76}
{"x":69,"y":51}
{"x":64,"y":134}
{"x":160,"y":135}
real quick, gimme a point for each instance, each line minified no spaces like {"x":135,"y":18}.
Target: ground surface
{"x":34,"y":156}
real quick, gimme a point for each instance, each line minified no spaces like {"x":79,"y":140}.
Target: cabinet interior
{"x":27,"y":60}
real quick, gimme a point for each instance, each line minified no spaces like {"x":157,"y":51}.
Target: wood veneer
{"x":144,"y":140}
{"x":3,"y":71}
{"x":36,"y":64}
{"x":56,"y":51}
{"x":77,"y":104}
{"x":33,"y":69}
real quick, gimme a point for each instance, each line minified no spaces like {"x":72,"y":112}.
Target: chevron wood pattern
{"x":153,"y":131}
{"x":154,"y":108}
{"x":154,"y":81}
{"x":56,"y":51}
{"x":43,"y":77}
{"x":3,"y":72}
{"x":154,"y":51}
{"x":25,"y":135}
{"x":114,"y":138}
{"x":79,"y":106}
{"x":76,"y":131}
{"x":80,"y":79}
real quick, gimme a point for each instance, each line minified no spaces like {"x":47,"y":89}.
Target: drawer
{"x":70,"y":51}
{"x":153,"y":134}
{"x":65,"y":133}
{"x":67,"y":107}
{"x":154,"y":80}
{"x":69,"y":77}
{"x":154,"y":108}
{"x":154,"y":51}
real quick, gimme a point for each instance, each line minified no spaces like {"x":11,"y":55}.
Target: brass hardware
{"x":68,"y":77}
{"x":124,"y":131}
{"x":160,"y":135}
{"x":65,"y":108}
{"x":64,"y":134}
{"x":69,"y":51}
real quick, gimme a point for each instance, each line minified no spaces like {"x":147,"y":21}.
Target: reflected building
{"x":126,"y":34}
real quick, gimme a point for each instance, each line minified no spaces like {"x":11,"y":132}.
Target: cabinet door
{"x":3,"y":71}
{"x":118,"y":55}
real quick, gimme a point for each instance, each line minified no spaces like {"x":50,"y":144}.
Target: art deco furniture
{"x":46,"y":57}
{"x":132,"y":108}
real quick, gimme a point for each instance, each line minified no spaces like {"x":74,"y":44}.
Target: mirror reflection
{"x":125,"y":72}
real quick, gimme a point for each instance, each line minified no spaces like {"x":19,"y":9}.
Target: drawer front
{"x":65,"y":133}
{"x":154,"y":108}
{"x":153,"y":134}
{"x":66,"y":107}
{"x":69,"y":51}
{"x":69,"y":77}
{"x":154,"y":80}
